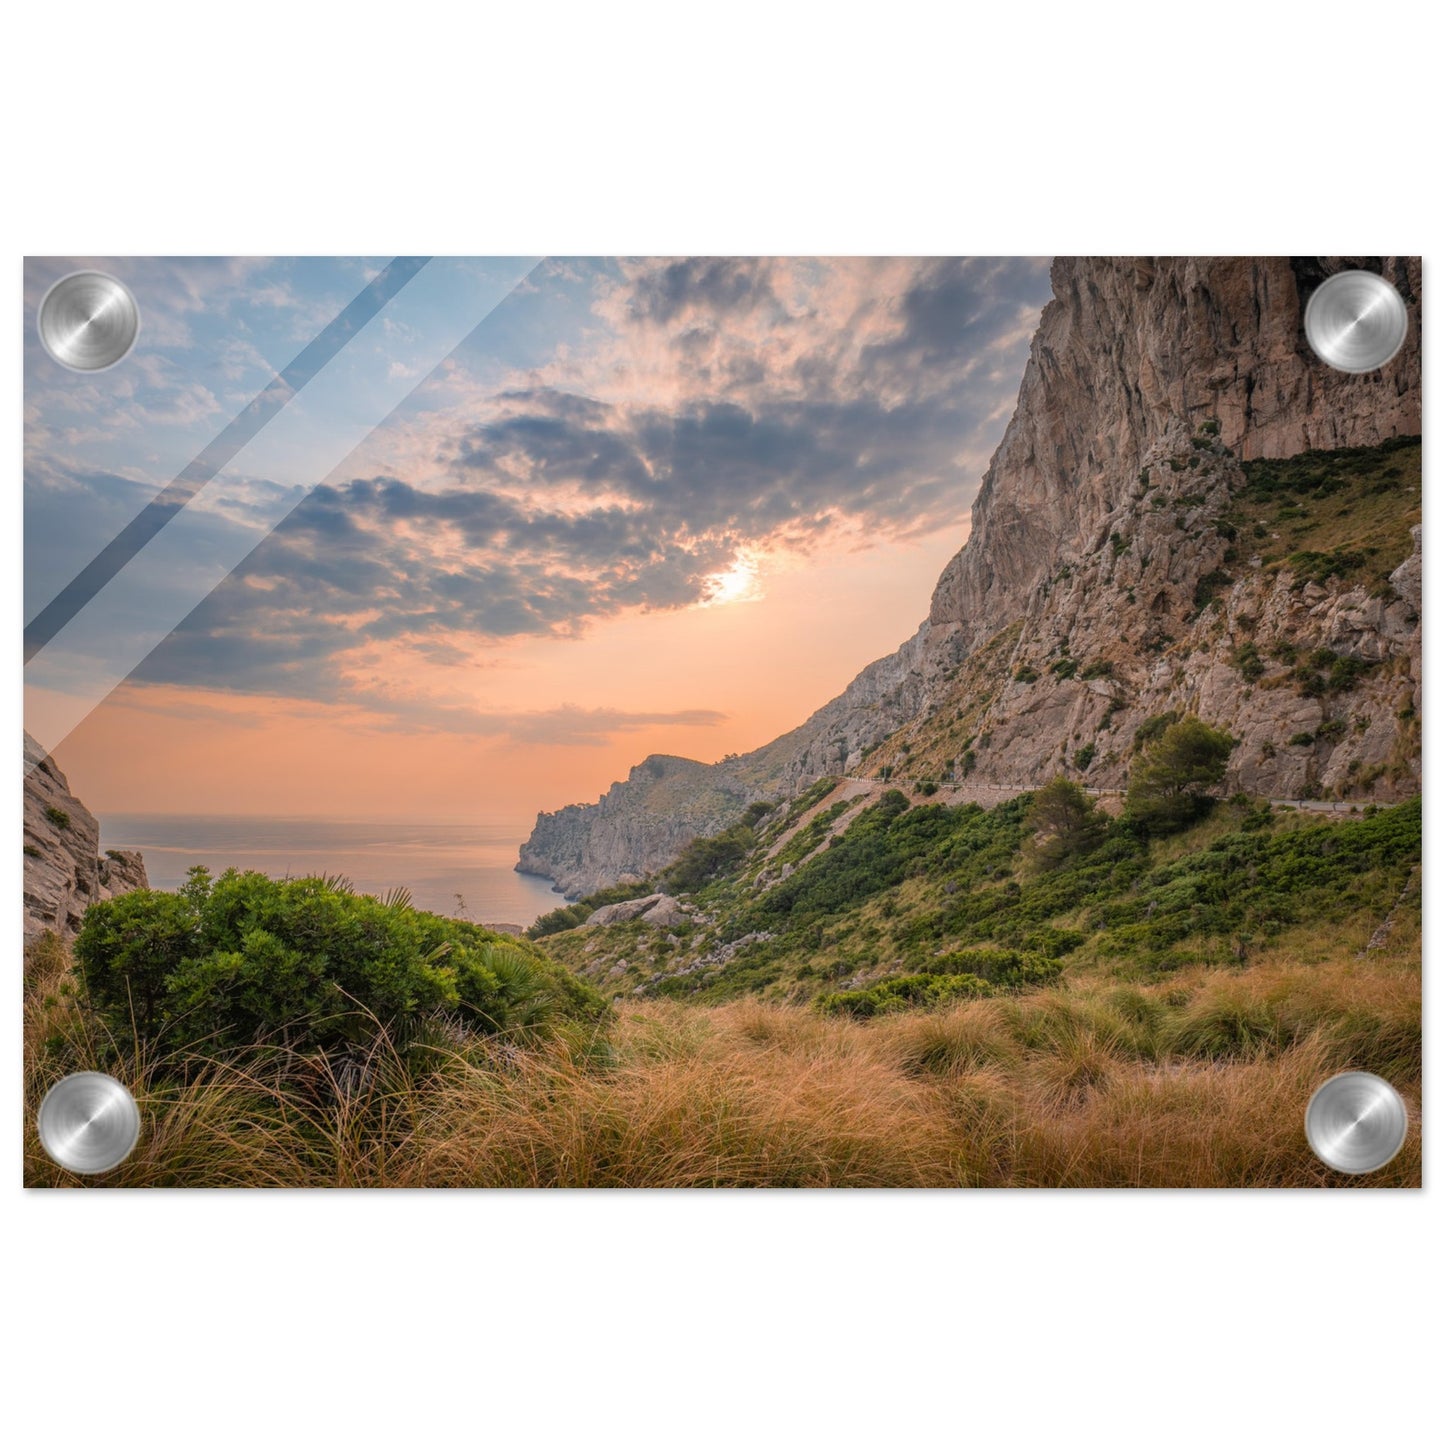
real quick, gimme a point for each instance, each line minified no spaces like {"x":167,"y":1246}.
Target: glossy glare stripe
{"x":232,"y":438}
{"x":191,"y":555}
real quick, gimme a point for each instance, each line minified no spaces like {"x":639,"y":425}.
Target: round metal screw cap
{"x":1356,"y":1122}
{"x":1356,"y":321}
{"x":88,"y":1123}
{"x":88,"y":321}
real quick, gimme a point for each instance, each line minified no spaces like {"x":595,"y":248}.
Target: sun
{"x":738,"y":584}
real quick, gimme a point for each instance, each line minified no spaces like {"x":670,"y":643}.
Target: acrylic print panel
{"x":799,"y":722}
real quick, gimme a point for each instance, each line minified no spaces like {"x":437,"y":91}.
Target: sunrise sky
{"x":645,"y":506}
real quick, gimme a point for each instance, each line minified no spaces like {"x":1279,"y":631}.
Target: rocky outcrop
{"x":1098,"y":534}
{"x":657,"y":909}
{"x":64,"y":870}
{"x":1131,"y":358}
{"x":1171,"y":610}
{"x":636,"y":827}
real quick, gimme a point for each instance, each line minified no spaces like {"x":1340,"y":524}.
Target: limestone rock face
{"x":1131,"y":352}
{"x":1072,"y":553}
{"x":64,"y":873}
{"x":636,"y":827}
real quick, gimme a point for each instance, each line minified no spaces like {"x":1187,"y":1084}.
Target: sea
{"x":463,"y":870}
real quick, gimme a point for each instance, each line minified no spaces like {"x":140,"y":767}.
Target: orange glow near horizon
{"x":768,"y":647}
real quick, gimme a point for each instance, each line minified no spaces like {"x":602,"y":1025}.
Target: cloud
{"x":703,"y":411}
{"x":551,"y":727}
{"x":563,"y":726}
{"x":698,"y":285}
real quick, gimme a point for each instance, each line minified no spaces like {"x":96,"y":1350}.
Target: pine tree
{"x":1065,"y":823}
{"x":1169,"y":786}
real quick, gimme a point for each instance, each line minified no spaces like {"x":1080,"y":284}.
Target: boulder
{"x":625,"y":911}
{"x":666,"y":913}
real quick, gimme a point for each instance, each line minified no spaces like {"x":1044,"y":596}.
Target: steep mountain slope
{"x":1134,"y":552}
{"x":63,"y":874}
{"x":873,"y":900}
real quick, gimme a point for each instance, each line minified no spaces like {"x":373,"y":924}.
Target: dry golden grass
{"x":1199,"y":1081}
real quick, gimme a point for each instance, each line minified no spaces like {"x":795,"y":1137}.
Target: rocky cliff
{"x":1134,"y":353}
{"x":635,"y":827}
{"x":1134,"y":550}
{"x":64,"y":870}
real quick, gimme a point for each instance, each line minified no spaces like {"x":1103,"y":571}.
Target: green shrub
{"x":1324,"y":672}
{"x":59,"y":818}
{"x":1208,"y":587}
{"x":1026,"y":674}
{"x":308,"y":964}
{"x":912,"y":991}
{"x":31,"y":851}
{"x":559,"y":920}
{"x":1247,"y":659}
{"x":1083,"y":757}
{"x":1007,"y":968}
{"x":1100,"y":667}
{"x":1064,"y":668}
{"x":1319,"y":567}
{"x":707,"y":858}
{"x":1065,"y":823}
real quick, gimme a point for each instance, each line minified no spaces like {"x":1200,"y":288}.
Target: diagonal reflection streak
{"x":241,"y":430}
{"x":105,"y":687}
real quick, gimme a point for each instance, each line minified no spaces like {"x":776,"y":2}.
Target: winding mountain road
{"x":985,"y":793}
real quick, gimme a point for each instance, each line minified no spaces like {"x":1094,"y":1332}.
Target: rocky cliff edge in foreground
{"x":64,"y":870}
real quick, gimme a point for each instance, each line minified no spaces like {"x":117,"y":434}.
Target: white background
{"x":178,"y":128}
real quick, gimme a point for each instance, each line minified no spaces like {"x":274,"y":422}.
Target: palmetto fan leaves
{"x":523,"y":995}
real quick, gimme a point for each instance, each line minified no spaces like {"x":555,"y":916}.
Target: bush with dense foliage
{"x":707,"y":858}
{"x":308,"y":964}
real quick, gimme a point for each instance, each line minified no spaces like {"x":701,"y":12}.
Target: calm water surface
{"x":463,"y":869}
